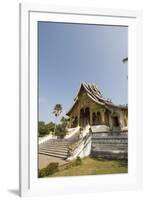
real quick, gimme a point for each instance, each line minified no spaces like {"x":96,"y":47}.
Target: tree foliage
{"x":61,"y":128}
{"x":57,"y":129}
{"x":57,"y":110}
{"x":50,"y":127}
{"x":45,"y":129}
{"x":42,"y":128}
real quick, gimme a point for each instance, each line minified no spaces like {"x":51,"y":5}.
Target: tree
{"x":50,"y":127}
{"x":64,"y":121}
{"x":42,"y":128}
{"x":60,"y":130}
{"x":57,"y":111}
{"x":125,"y":60}
{"x":61,"y":127}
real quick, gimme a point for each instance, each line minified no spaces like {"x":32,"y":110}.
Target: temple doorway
{"x":96,"y":118}
{"x":116,"y":121}
{"x":84,"y":116}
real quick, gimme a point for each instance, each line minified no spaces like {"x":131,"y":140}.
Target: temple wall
{"x":122,"y":116}
{"x":110,"y":147}
{"x":84,"y":101}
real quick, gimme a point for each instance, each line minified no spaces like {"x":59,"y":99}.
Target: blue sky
{"x":73,"y":53}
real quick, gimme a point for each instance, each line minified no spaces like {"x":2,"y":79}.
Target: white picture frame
{"x":29,"y":183}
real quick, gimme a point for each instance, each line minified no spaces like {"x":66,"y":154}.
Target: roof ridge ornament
{"x":94,"y":93}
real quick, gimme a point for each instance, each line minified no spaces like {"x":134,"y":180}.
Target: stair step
{"x":108,"y":148}
{"x":54,"y":144}
{"x":113,"y":144}
{"x":57,"y":142}
{"x":54,"y":151}
{"x":53,"y":155}
{"x":54,"y":147}
{"x":108,"y":144}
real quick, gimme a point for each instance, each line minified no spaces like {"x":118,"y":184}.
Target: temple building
{"x":92,"y":108}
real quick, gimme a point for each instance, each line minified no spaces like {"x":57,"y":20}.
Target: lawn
{"x":91,"y":166}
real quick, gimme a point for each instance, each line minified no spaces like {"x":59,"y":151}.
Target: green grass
{"x":91,"y":166}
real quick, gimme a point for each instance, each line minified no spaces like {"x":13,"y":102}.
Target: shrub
{"x":42,"y":172}
{"x":50,"y":169}
{"x":78,"y":161}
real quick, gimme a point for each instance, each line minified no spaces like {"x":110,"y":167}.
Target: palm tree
{"x":57,"y":111}
{"x":125,"y":60}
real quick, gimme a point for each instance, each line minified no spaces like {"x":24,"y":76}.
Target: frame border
{"x":24,"y":97}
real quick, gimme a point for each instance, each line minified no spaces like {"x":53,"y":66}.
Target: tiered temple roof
{"x":94,"y":93}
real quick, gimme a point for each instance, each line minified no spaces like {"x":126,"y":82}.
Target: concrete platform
{"x":44,"y":160}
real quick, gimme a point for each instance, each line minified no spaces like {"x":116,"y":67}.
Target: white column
{"x":103,"y":116}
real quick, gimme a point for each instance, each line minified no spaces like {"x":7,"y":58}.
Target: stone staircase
{"x":57,"y":147}
{"x":102,"y":146}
